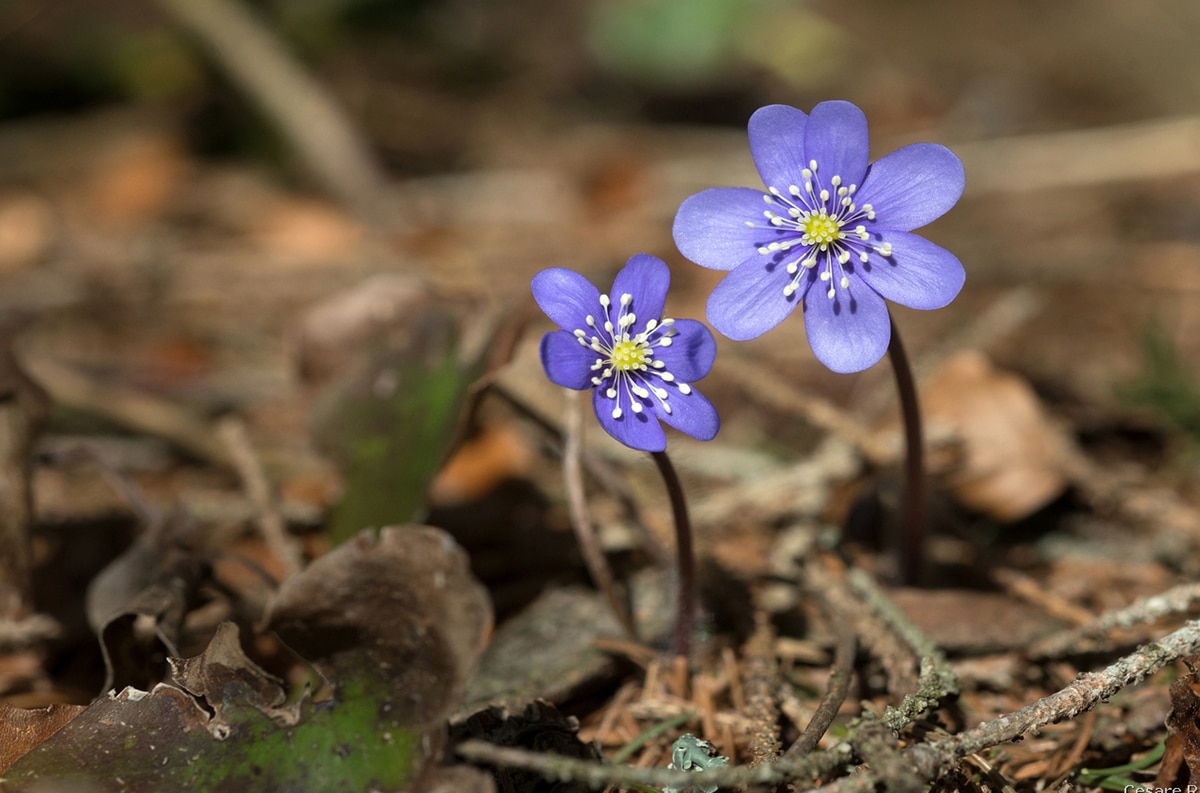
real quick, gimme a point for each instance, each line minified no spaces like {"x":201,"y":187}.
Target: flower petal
{"x":750,"y":300}
{"x":837,"y":139}
{"x":850,"y":332}
{"x":918,"y":274}
{"x":691,"y":414}
{"x":690,"y":356}
{"x":639,"y":431}
{"x":777,"y":145}
{"x":647,"y":279}
{"x":567,"y":362}
{"x":566,"y":297}
{"x":913,"y":186}
{"x":710,"y":227}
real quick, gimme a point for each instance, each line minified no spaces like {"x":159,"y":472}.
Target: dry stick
{"x":23,"y":411}
{"x":1177,"y":600}
{"x":307,"y":116}
{"x":685,"y":614}
{"x":137,"y":410}
{"x":232,"y":431}
{"x":581,"y":518}
{"x":912,"y":537}
{"x":595,"y":466}
{"x":760,"y":673}
{"x":937,"y":680}
{"x":927,"y":760}
{"x":839,"y":684}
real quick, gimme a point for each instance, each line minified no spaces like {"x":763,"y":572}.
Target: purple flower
{"x":833,"y":236}
{"x":639,"y":365}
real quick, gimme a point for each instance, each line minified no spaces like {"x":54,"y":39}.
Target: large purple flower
{"x":639,"y":365}
{"x":833,"y":235}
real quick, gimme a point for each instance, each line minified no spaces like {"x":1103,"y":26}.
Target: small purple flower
{"x":639,"y":365}
{"x":834,"y":235}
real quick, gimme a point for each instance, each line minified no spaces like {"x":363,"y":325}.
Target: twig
{"x":1177,"y":600}
{"x":596,"y":467}
{"x":136,"y":410}
{"x":914,"y":637}
{"x":1083,"y":694}
{"x":581,"y":518}
{"x":928,"y":761}
{"x":760,"y":678}
{"x":881,"y":641}
{"x":232,"y":431}
{"x":839,"y":683}
{"x":307,"y":116}
{"x":23,"y":411}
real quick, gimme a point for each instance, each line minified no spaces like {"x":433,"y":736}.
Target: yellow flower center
{"x":820,"y":229}
{"x":629,"y":355}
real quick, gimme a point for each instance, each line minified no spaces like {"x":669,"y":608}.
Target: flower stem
{"x":685,"y":616}
{"x":912,"y":536}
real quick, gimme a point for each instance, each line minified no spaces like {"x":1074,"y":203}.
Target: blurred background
{"x":210,"y":207}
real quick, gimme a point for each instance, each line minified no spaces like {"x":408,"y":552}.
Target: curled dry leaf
{"x":1013,"y":458}
{"x":137,"y":603}
{"x":1180,"y":769}
{"x":395,"y":624}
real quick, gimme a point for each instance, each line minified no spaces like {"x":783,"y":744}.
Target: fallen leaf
{"x":404,"y":604}
{"x":395,"y":624}
{"x":21,"y":729}
{"x":138,"y":602}
{"x":1180,"y":769}
{"x":1012,"y":461}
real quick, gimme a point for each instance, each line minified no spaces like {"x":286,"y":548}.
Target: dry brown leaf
{"x":406,"y":602}
{"x":1013,"y":460}
{"x":22,"y":729}
{"x":1180,"y":769}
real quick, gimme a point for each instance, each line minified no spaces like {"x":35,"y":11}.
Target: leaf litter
{"x":181,"y":289}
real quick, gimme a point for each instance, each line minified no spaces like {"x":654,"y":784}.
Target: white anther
{"x":616,"y":414}
{"x":626,"y":299}
{"x":685,"y":389}
{"x":604,"y":301}
{"x":845,"y":282}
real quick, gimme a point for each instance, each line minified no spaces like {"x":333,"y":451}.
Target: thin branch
{"x":306,"y":114}
{"x":760,"y":679}
{"x":839,"y":683}
{"x":581,"y":517}
{"x":1175,"y":601}
{"x":232,"y":432}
